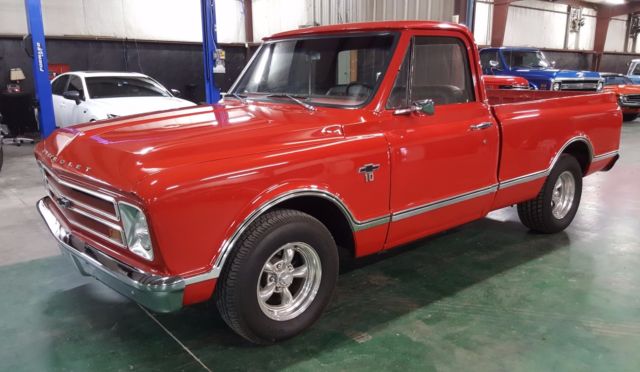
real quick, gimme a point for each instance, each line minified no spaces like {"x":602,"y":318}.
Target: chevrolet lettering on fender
{"x":249,"y":201}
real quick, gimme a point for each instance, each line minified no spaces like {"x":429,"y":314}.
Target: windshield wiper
{"x":296,"y":99}
{"x":239,"y":97}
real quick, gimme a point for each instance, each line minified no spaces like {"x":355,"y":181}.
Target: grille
{"x":634,"y":98}
{"x":89,"y":211}
{"x":578,"y":85}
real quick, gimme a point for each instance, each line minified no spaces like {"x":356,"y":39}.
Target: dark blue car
{"x":531,"y":64}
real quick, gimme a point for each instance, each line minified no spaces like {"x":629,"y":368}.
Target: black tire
{"x":236,"y":293}
{"x":629,"y":117}
{"x":1,"y":155}
{"x":537,"y":214}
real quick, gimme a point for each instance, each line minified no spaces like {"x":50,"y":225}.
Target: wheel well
{"x":581,"y":152}
{"x":330,"y":215}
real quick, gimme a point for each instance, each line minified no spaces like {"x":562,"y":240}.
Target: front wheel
{"x":280,"y":277}
{"x":629,"y":117}
{"x":557,"y":203}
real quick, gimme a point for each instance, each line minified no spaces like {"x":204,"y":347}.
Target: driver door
{"x":444,"y":164}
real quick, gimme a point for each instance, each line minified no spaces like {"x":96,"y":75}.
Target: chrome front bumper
{"x":160,"y":294}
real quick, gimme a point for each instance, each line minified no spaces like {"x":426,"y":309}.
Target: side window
{"x":75,"y":83}
{"x":57,"y":87}
{"x":486,"y":58}
{"x":636,"y":70}
{"x":434,"y":68}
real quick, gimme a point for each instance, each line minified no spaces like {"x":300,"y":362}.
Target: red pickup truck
{"x":335,"y":141}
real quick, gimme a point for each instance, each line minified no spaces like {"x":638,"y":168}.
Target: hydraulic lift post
{"x":46,"y":118}
{"x":209,"y":47}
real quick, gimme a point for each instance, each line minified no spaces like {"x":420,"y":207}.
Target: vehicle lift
{"x":42,"y":85}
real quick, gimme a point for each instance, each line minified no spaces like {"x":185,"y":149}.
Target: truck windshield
{"x":617,"y":80}
{"x":329,"y":71}
{"x":526,"y":59}
{"x":124,"y":86}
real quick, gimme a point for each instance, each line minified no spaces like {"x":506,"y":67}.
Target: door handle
{"x":481,"y":126}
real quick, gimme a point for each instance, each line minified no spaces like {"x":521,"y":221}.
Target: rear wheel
{"x":280,"y":277}
{"x":629,"y":117}
{"x":557,"y":203}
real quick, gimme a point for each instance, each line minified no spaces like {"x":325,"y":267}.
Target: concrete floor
{"x":488,"y":296}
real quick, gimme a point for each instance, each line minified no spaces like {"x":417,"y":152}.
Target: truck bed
{"x":538,"y":125}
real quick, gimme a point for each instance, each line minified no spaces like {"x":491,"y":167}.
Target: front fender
{"x":194,"y":210}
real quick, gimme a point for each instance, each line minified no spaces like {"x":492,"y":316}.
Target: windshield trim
{"x":374,"y":92}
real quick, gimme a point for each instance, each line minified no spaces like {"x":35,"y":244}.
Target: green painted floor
{"x":488,"y":296}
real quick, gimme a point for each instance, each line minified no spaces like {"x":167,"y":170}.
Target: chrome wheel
{"x":564,"y":192}
{"x":289,"y":281}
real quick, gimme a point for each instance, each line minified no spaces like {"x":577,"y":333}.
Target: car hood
{"x":557,"y":74}
{"x":122,"y":151}
{"x":623,"y":89}
{"x":137,"y":105}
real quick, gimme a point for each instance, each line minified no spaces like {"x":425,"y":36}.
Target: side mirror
{"x":72,"y":95}
{"x":553,"y":63}
{"x":176,"y":92}
{"x":494,"y":63}
{"x":425,"y":106}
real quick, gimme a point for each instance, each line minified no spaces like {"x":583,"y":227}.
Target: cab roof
{"x":371,"y":26}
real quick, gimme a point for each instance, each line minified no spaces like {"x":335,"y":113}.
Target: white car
{"x":80,"y":97}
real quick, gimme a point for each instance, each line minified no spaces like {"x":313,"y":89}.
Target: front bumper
{"x":160,"y":294}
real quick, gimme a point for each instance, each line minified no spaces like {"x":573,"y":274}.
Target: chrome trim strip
{"x":356,"y":225}
{"x":523,"y":179}
{"x":606,"y":155}
{"x":158,"y":293}
{"x":227,"y":245}
{"x":398,"y":216}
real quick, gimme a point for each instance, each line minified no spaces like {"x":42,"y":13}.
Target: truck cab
{"x":533,"y":65}
{"x":634,"y":71}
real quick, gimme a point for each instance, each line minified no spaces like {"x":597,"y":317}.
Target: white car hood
{"x":137,"y":105}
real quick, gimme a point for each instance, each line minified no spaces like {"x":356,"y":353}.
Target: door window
{"x":434,"y":68}
{"x":59,"y":85}
{"x":485,"y":60}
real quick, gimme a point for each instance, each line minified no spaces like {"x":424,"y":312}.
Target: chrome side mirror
{"x":425,"y":106}
{"x":494,"y":63}
{"x":553,"y":63}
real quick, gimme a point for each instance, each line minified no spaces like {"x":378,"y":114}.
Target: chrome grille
{"x":579,"y":85}
{"x":90,"y":211}
{"x":634,"y":98}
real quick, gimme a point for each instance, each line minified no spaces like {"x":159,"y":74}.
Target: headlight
{"x":555,"y":86}
{"x":111,"y":116}
{"x":136,"y":230}
{"x":599,"y":86}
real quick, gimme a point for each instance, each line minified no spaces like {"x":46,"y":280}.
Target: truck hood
{"x":137,"y":105}
{"x":120,"y":152}
{"x":557,"y":74}
{"x":623,"y":89}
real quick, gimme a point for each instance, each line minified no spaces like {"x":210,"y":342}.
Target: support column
{"x":499,"y":23}
{"x":248,"y":20}
{"x":209,"y":48}
{"x":44,"y":99}
{"x":602,"y":27}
